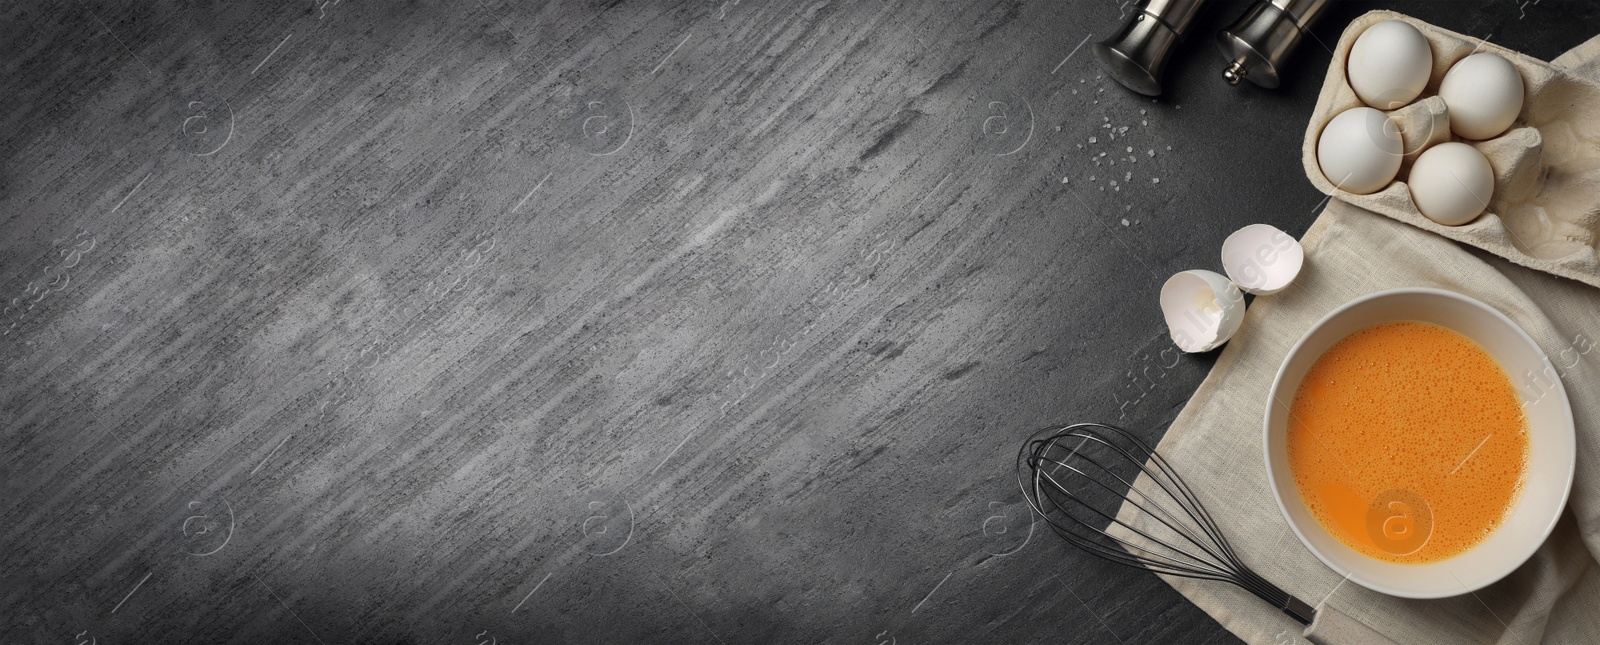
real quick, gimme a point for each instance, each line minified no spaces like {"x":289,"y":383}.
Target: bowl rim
{"x":1513,"y":563}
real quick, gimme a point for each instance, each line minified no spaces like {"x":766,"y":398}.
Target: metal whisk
{"x":1077,"y":477}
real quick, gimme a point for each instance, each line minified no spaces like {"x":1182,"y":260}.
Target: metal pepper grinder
{"x":1138,"y":53}
{"x":1259,"y":42}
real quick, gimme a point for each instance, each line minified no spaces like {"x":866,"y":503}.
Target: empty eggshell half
{"x":1203,"y":309}
{"x":1261,"y":259}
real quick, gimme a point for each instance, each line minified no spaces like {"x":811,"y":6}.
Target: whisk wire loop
{"x":1062,"y":485}
{"x":1149,"y":507}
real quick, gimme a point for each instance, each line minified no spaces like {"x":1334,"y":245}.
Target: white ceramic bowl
{"x":1546,"y":481}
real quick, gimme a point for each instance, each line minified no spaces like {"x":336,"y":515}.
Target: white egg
{"x":1360,"y":150}
{"x":1389,"y":64}
{"x":1451,"y":183}
{"x":1484,"y":95}
{"x":1202,"y":308}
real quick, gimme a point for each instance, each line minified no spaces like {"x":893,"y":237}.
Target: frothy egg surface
{"x":1408,"y":442}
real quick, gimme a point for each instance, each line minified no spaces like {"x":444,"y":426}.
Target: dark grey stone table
{"x":719,"y":322}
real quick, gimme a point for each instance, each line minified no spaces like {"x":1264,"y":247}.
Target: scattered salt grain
{"x":1150,"y":152}
{"x":1124,"y":221}
{"x":1130,"y":148}
{"x":1155,"y":180}
{"x":1094,"y":140}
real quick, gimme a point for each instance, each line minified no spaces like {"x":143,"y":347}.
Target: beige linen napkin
{"x":1215,"y":443}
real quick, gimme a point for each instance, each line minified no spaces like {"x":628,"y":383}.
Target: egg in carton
{"x":1544,"y":167}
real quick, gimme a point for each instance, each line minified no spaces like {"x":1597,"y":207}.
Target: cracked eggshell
{"x":1203,"y":309}
{"x":1261,"y":259}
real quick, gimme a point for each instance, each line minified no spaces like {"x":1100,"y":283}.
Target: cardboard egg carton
{"x":1545,"y":212}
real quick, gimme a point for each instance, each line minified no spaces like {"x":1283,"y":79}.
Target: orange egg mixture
{"x":1408,"y":442}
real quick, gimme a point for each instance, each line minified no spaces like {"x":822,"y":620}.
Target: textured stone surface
{"x":569,"y":322}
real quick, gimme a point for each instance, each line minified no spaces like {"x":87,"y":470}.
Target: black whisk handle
{"x":1333,"y":627}
{"x":1299,"y":610}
